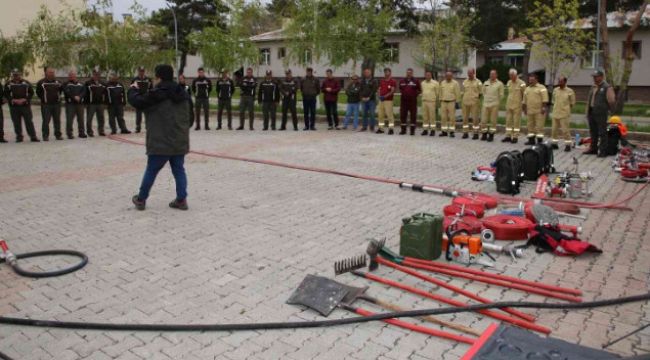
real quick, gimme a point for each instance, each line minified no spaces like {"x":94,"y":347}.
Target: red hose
{"x":508,"y":227}
{"x":418,"y":328}
{"x":491,"y":200}
{"x":498,"y":282}
{"x":452,"y":288}
{"x":480,"y":273}
{"x":496,"y":315}
{"x":463,"y":210}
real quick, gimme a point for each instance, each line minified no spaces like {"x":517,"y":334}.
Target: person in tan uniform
{"x":564,"y":98}
{"x":449,"y":96}
{"x":535,"y":107}
{"x":430,"y":91}
{"x":492,"y":94}
{"x":516,"y":88}
{"x":471,"y":102}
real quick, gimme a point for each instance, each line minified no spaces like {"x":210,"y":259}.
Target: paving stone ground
{"x":254,"y":231}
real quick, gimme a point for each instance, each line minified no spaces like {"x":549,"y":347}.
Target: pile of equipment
{"x":514,"y":167}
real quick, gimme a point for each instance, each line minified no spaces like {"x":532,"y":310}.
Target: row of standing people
{"x":367,"y":95}
{"x":82,"y":102}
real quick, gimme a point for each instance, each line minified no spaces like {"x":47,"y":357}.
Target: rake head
{"x":350,"y":264}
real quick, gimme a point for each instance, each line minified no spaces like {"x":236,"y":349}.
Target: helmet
{"x":615,"y":120}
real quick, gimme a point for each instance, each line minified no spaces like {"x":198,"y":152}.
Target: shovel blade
{"x":324,"y":295}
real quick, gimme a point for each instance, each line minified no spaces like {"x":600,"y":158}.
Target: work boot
{"x":283,"y":128}
{"x":391,"y":131}
{"x":363,"y":129}
{"x":241,"y":127}
{"x":591,"y":152}
{"x":59,"y":137}
{"x":19,"y":140}
{"x":484,"y":137}
{"x":379,"y":131}
{"x":506,"y":139}
{"x":91,"y":135}
{"x":330,"y":128}
{"x":475,"y":136}
{"x":451,"y":134}
{"x":70,"y":137}
{"x":125,"y":131}
{"x":540,"y":140}
{"x":432,"y":133}
{"x":412,"y":131}
{"x":514,"y":140}
{"x":567,"y":148}
{"x":137,"y":130}
{"x":425,"y":133}
{"x":139,"y":204}
{"x":218,"y":127}
{"x":83,"y":136}
{"x":2,"y":140}
{"x":554,"y":146}
{"x":179,"y":204}
{"x":197,"y":127}
{"x":113,"y":132}
{"x":490,"y":137}
{"x":531,"y":141}
{"x":402,"y":131}
{"x":465,"y":135}
{"x":443,"y":133}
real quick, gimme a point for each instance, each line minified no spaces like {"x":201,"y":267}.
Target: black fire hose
{"x":12,"y":259}
{"x":74,"y":325}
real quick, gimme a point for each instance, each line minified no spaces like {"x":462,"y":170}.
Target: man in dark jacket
{"x":168,"y":138}
{"x":116,"y":99}
{"x":268,"y":97}
{"x":368,"y":94}
{"x":225,"y":90}
{"x":310,"y":88}
{"x":95,"y":98}
{"x":331,"y":88}
{"x":49,"y":90}
{"x":247,"y":87}
{"x":74,"y":93}
{"x":289,"y":90}
{"x":410,"y":89}
{"x":600,"y":100}
{"x":19,"y":94}
{"x":144,"y":84}
{"x":201,"y":88}
{"x":183,"y":82}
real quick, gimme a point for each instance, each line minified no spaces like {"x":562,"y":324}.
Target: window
{"x":282,"y":53}
{"x":265,"y":56}
{"x":307,"y":56}
{"x":589,"y":62}
{"x":391,"y":53}
{"x":636,"y":49}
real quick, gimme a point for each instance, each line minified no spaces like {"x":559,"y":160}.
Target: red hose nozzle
{"x":3,"y":246}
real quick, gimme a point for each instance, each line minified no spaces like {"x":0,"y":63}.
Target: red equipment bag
{"x":471,"y":210}
{"x":486,"y":201}
{"x":548,"y":238}
{"x":468,"y":223}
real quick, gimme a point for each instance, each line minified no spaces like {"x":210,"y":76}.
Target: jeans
{"x":368,"y":112}
{"x":309,"y":108}
{"x":352,"y":110}
{"x":154,"y":164}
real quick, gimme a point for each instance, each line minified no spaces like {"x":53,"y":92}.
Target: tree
{"x":336,"y":30}
{"x":256,"y":19}
{"x":12,"y":55}
{"x":557,"y":37}
{"x":226,"y":48}
{"x":49,"y":37}
{"x":120,"y":47}
{"x":192,"y":16}
{"x":629,"y":56}
{"x":444,"y":39}
{"x":282,"y":8}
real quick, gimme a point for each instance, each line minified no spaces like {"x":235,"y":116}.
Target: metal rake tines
{"x":349,"y":264}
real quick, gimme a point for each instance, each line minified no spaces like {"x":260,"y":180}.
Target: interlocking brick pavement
{"x":254,"y":231}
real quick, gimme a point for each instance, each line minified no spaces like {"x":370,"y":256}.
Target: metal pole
{"x":598,"y":38}
{"x":176,"y":57}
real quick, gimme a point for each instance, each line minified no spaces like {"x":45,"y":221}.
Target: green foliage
{"x":343,"y":31}
{"x":227,"y":48}
{"x":555,"y":44}
{"x":49,"y":37}
{"x":444,"y":42}
{"x":192,"y":16}
{"x":12,"y":55}
{"x":502,"y":69}
{"x":119,"y":47}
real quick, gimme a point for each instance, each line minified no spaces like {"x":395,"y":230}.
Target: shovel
{"x":324,"y":295}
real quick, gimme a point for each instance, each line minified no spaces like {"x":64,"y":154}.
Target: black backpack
{"x":509,"y":172}
{"x":538,"y":160}
{"x":613,"y":139}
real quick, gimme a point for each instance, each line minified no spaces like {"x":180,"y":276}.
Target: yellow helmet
{"x":615,"y":120}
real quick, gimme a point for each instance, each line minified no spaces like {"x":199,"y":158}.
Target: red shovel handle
{"x":418,"y":328}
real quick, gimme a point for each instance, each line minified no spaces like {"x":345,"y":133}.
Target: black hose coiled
{"x":22,"y":272}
